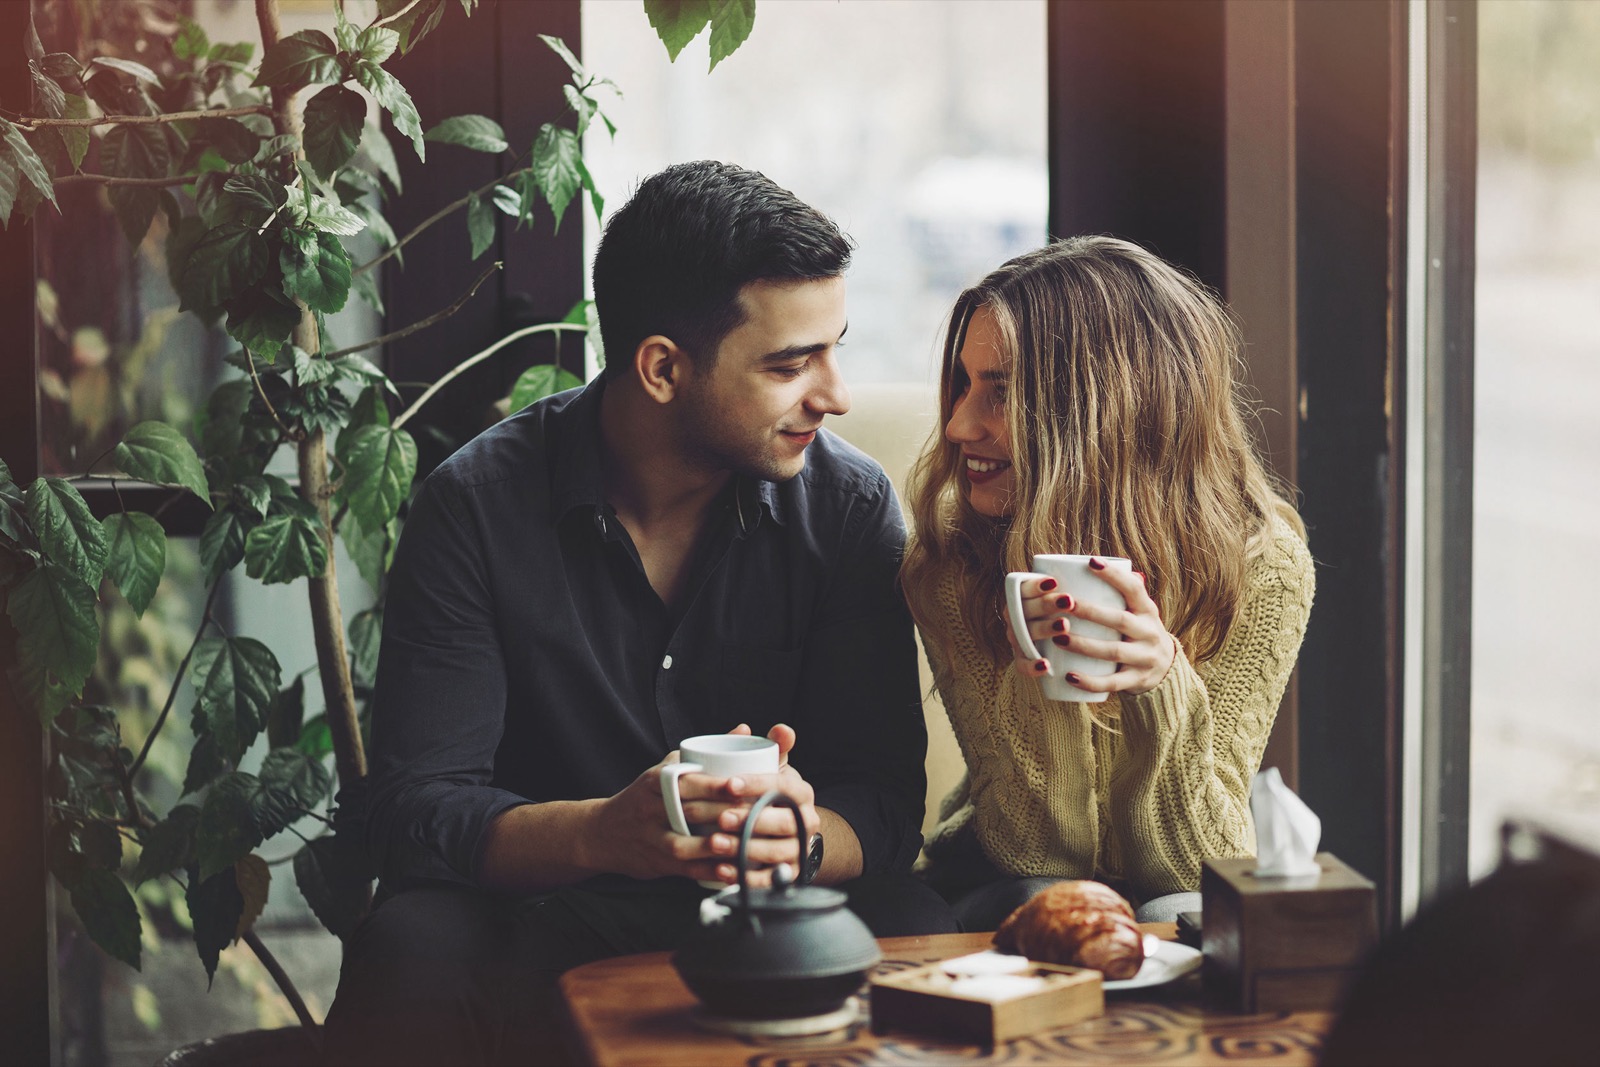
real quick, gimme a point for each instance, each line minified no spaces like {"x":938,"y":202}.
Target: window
{"x":920,"y":128}
{"x":1536,"y":488}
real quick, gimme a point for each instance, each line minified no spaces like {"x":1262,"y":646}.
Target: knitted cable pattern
{"x":1048,"y":793}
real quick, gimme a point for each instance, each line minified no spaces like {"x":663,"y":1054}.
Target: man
{"x":679,"y":548}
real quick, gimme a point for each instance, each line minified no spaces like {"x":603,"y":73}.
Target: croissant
{"x":1079,"y":924}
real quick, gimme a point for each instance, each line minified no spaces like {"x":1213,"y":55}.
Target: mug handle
{"x":1019,"y":625}
{"x":671,"y":798}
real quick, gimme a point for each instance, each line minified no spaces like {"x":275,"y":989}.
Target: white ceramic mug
{"x":719,"y":755}
{"x":1075,"y":578}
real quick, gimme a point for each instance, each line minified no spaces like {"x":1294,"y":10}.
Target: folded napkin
{"x":1287,"y":832}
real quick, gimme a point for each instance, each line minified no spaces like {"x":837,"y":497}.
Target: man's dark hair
{"x":673,"y":259}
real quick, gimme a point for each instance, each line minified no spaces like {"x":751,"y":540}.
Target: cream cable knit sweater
{"x":1049,"y":793}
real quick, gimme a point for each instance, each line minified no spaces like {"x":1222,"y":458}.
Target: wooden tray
{"x":925,"y":1000}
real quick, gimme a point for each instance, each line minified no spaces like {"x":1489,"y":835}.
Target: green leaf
{"x":136,"y":208}
{"x":731,"y":23}
{"x":233,"y":140}
{"x":168,"y":845}
{"x":596,"y":201}
{"x":205,"y":763}
{"x":366,"y":633}
{"x":137,"y":556}
{"x":377,"y":43}
{"x":334,"y":880}
{"x":556,"y":153}
{"x":58,"y":635}
{"x":51,"y":98}
{"x":582,"y":105}
{"x":508,"y":200}
{"x":127,"y":66}
{"x":222,"y":543}
{"x":393,"y":98}
{"x":67,"y":530}
{"x":677,"y":22}
{"x":378,"y":149}
{"x":191,"y":42}
{"x":359,"y":369}
{"x":412,"y":20}
{"x":227,"y":830}
{"x":287,"y":714}
{"x":316,"y":269}
{"x":470,"y":131}
{"x":316,"y":740}
{"x":155,"y":452}
{"x":333,"y":120}
{"x":10,"y":183}
{"x":292,"y":784}
{"x":370,"y":550}
{"x":255,"y":494}
{"x":312,"y":370}
{"x":238,"y":53}
{"x":262,"y":319}
{"x":228,"y":260}
{"x":27,"y":161}
{"x":300,"y":59}
{"x":76,"y":138}
{"x":284,"y":548}
{"x":380,"y":462}
{"x":328,"y":216}
{"x":559,"y":47}
{"x":254,"y":879}
{"x":540,"y":381}
{"x":480,"y":224}
{"x":236,"y":679}
{"x":99,"y":844}
{"x":109,"y":916}
{"x":215,"y":906}
{"x":366,"y":287}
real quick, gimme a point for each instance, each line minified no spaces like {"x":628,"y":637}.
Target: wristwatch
{"x":813,"y":859}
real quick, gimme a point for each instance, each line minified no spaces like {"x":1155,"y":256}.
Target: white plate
{"x":1163,"y":961}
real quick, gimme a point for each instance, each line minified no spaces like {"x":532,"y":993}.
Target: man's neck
{"x":660,"y":498}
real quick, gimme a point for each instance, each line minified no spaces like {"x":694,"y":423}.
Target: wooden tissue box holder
{"x":1284,"y":944}
{"x":920,"y":1001}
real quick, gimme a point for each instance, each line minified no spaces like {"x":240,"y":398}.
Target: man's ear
{"x":660,"y":366}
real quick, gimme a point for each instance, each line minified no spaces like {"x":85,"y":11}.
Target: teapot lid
{"x":783,"y":895}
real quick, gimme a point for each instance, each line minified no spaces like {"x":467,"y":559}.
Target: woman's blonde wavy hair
{"x":1128,"y":436}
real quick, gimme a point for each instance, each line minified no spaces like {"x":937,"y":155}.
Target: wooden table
{"x":633,"y":1011}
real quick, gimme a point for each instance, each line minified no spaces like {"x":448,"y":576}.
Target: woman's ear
{"x":659,"y":365}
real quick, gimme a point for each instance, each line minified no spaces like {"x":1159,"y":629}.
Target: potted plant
{"x":262,"y":164}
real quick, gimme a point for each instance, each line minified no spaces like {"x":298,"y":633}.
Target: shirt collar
{"x":576,"y":478}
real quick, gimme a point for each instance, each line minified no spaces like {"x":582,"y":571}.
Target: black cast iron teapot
{"x":780,"y":953}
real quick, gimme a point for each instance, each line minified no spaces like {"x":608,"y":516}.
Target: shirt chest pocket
{"x":758,"y":685}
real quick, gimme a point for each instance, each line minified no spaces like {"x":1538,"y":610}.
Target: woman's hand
{"x":1144,"y":655}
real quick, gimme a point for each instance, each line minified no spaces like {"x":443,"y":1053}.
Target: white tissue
{"x":1287,"y":832}
{"x":986,"y":963}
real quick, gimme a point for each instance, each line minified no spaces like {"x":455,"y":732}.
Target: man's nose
{"x":831,"y":397}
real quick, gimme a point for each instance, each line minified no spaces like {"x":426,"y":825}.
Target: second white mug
{"x":1076,"y":578}
{"x":719,"y":755}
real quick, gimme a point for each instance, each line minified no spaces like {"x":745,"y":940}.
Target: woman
{"x":1090,"y":405}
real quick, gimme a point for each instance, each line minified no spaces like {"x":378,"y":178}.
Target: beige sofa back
{"x":891,"y":423}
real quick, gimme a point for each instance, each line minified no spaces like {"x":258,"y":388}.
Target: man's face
{"x":774,"y":378}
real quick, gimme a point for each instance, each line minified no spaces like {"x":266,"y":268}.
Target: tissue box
{"x":921,"y":1001}
{"x":1284,"y":944}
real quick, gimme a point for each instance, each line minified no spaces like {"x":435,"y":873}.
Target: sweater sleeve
{"x":1193,"y":742}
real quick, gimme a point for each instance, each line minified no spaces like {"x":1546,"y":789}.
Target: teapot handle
{"x":771,"y":796}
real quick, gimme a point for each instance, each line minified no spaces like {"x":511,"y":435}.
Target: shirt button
{"x":666,"y":663}
{"x":600,"y":523}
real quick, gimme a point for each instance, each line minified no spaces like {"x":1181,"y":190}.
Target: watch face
{"x":813,"y":857}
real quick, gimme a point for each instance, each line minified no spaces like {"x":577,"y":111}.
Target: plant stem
{"x":274,"y":968}
{"x":261,"y":392}
{"x":421,"y":324}
{"x":442,"y":213}
{"x":474,"y":360}
{"x":177,"y":680}
{"x":144,"y":120}
{"x":108,"y":179}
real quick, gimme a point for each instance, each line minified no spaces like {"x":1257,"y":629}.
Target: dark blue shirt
{"x":527,"y":658}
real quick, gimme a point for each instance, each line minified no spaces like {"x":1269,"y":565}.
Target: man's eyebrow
{"x":800,"y":351}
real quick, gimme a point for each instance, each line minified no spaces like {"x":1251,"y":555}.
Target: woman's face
{"x":978,"y":417}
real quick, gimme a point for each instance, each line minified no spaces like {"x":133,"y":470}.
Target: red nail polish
{"x":1039,"y":664}
{"x":1059,"y":626}
{"x":1063,"y":641}
{"x":1064,"y":603}
{"x":1096,"y":564}
{"x":1073,"y":678}
{"x":1047,"y":585}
